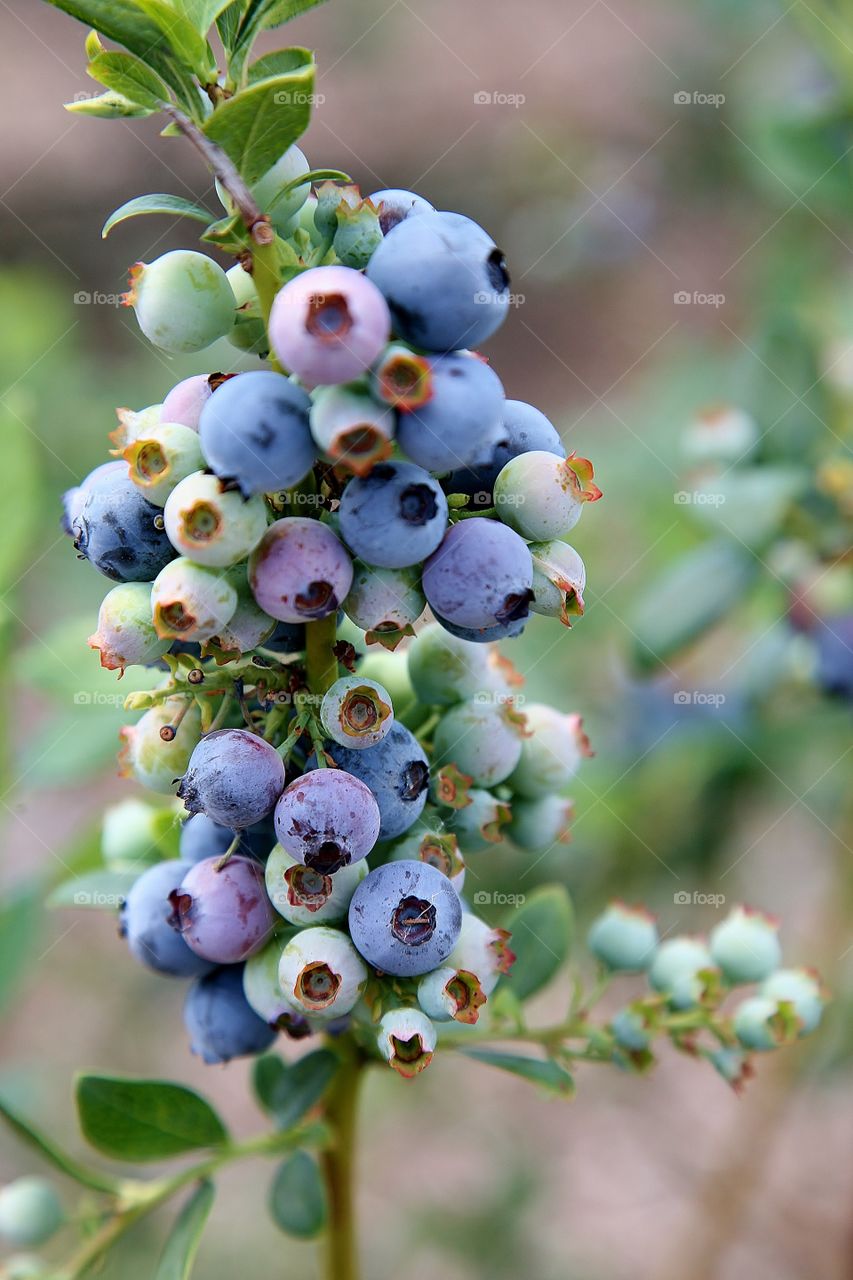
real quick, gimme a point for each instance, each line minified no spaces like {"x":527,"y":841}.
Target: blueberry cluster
{"x":688,"y":973}
{"x":371,"y":470}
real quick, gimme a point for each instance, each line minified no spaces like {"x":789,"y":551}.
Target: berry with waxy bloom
{"x":759,"y":1024}
{"x":329,"y":324}
{"x":148,"y":923}
{"x":624,"y":938}
{"x":255,"y":434}
{"x":429,"y":841}
{"x":507,"y":630}
{"x":630,"y":1030}
{"x":401,"y":378}
{"x":133,"y":423}
{"x":397,"y":772}
{"x":406,"y":1041}
{"x":523,"y":428}
{"x":321,"y":973}
{"x":482,"y":738}
{"x":802,"y":989}
{"x":358,"y":232}
{"x":154,"y":761}
{"x":541,"y":496}
{"x":385,"y":603}
{"x":405,"y":918}
{"x":445,"y":669}
{"x":131,"y":834}
{"x":350,"y":429}
{"x":187,"y":398}
{"x":211,"y":524}
{"x":159,"y":458}
{"x":356,"y":712}
{"x":190,"y":602}
{"x":733,"y":1065}
{"x":248,"y":626}
{"x":278,"y":192}
{"x":300,"y":571}
{"x":263,"y":992}
{"x":559,"y":581}
{"x":327,"y":819}
{"x":234,"y":777}
{"x":221,"y":1023}
{"x":449,"y":994}
{"x":391,"y":671}
{"x":682,"y":969}
{"x":537,"y":825}
{"x":223,"y":912}
{"x":396,"y":204}
{"x":249,"y":332}
{"x":445,"y":281}
{"x":394,"y":517}
{"x":115,"y":527}
{"x":480,"y":577}
{"x":552,"y":752}
{"x":182,"y":300}
{"x":305,"y":896}
{"x":126,"y":636}
{"x":460,"y":424}
{"x":746,"y":945}
{"x":480,"y":823}
{"x":30,"y":1212}
{"x":483,"y":951}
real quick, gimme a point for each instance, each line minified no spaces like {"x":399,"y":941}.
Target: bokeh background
{"x":673,"y":186}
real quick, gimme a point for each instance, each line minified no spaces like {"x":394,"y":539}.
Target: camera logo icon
{"x":682,"y":898}
{"x":682,"y":98}
{"x":482,"y":898}
{"x":482,"y":98}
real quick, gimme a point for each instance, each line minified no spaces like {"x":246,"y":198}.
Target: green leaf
{"x":689,"y":597}
{"x":542,"y":929}
{"x":102,"y":890}
{"x":172,"y":206}
{"x":178,"y":1256}
{"x":93,"y":45}
{"x":258,"y":15}
{"x":54,"y":1155}
{"x":19,"y":935}
{"x":228,"y":23}
{"x":278,"y":63}
{"x":108,"y":106}
{"x":190,"y":47}
{"x":145,"y":1119}
{"x":129,"y":76}
{"x":258,"y":124}
{"x":287,"y":1092}
{"x":228,"y":234}
{"x":538,"y":1070}
{"x":298,"y":1197}
{"x":201,"y":13}
{"x":280,"y":11}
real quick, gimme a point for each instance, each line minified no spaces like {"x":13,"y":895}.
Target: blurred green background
{"x":673,"y":186}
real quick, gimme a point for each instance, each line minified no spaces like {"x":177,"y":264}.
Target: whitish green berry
{"x":681,"y":970}
{"x":183,"y":301}
{"x":537,"y":825}
{"x":321,"y":973}
{"x":624,"y":938}
{"x":126,"y":635}
{"x":155,"y":761}
{"x":191,"y":602}
{"x":161,"y":457}
{"x":406,"y":1041}
{"x":746,"y":945}
{"x":800,"y":988}
{"x":449,"y":994}
{"x":356,"y":712}
{"x":30,"y":1211}
{"x":559,"y":580}
{"x":552,"y":752}
{"x":212,"y":524}
{"x":308,"y":897}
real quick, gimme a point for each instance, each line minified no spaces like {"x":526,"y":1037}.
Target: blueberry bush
{"x":315,"y":561}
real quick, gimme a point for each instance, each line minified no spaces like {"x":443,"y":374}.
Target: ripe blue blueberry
{"x":321,"y":973}
{"x":305,"y":896}
{"x":385,"y":603}
{"x":394,"y":517}
{"x":211,"y":524}
{"x":223,"y":912}
{"x":255,"y":434}
{"x":552,"y":752}
{"x":234,"y":777}
{"x":190,"y":602}
{"x":126,"y":636}
{"x":746,"y":945}
{"x":508,"y":630}
{"x":327,"y":819}
{"x":202,"y":838}
{"x":406,"y":1040}
{"x":397,"y":772}
{"x":329,"y":324}
{"x":481,"y":576}
{"x":542,"y":496}
{"x":116,"y":528}
{"x":801,"y":988}
{"x":221,"y":1023}
{"x":149,"y":926}
{"x":482,"y":737}
{"x":681,"y":970}
{"x":182,"y":300}
{"x":356,"y":713}
{"x":405,"y":918}
{"x":395,"y":205}
{"x":461,"y":422}
{"x":299,"y":571}
{"x":350,"y":429}
{"x":30,"y":1211}
{"x":624,"y":938}
{"x":445,"y":281}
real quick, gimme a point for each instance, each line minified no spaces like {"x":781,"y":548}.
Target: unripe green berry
{"x":449,"y":994}
{"x":161,"y":457}
{"x":624,"y":938}
{"x":183,"y":301}
{"x":131,"y":832}
{"x":191,"y":602}
{"x":308,"y":897}
{"x":356,"y":712}
{"x":678,"y":970}
{"x":552,"y":753}
{"x":559,"y":580}
{"x":479,"y":824}
{"x":30,"y":1211}
{"x":482,"y":737}
{"x":321,"y":973}
{"x":801,"y":988}
{"x":126,"y":635}
{"x":757,"y":1024}
{"x":537,"y":825}
{"x":406,"y":1041}
{"x":392,"y":672}
{"x":155,"y":762}
{"x":630,"y":1031}
{"x":250,"y":331}
{"x":358,"y":233}
{"x":444,"y":669}
{"x":211,"y":524}
{"x":541,"y":495}
{"x":746,"y":945}
{"x":351,"y":429}
{"x":427,"y":840}
{"x":385,"y":603}
{"x":247,"y":627}
{"x":483,"y":951}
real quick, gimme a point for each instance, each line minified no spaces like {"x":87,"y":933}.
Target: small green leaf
{"x":542,"y":929}
{"x":190,"y":47}
{"x":258,"y":124}
{"x":280,"y":11}
{"x":287,"y":1092}
{"x":145,"y":1119}
{"x":54,"y":1155}
{"x":127,"y":75}
{"x":228,"y":234}
{"x":298,"y":1197}
{"x":108,"y":106}
{"x":689,"y":597}
{"x":178,"y":1256}
{"x":93,"y":45}
{"x":101,"y":890}
{"x":278,"y":63}
{"x":540,"y":1071}
{"x":228,"y":23}
{"x":172,"y":206}
{"x":201,"y":13}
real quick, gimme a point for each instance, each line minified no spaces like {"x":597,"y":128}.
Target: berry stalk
{"x":320,"y":662}
{"x":338,"y":1164}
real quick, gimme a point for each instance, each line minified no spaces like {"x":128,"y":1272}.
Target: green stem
{"x":320,"y":661}
{"x":265,"y":275}
{"x":338,"y":1160}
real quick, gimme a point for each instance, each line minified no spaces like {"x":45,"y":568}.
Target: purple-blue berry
{"x":405,"y":918}
{"x":116,"y":528}
{"x":461,"y":422}
{"x":397,"y":772}
{"x":480,"y":577}
{"x":394,"y":205}
{"x":255,"y":434}
{"x":234,"y":777}
{"x":327,"y":819}
{"x":394,"y":517}
{"x":221,"y":1023}
{"x":223,"y":912}
{"x":150,"y":928}
{"x":300,"y":571}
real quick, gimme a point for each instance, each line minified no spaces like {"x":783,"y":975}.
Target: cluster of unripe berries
{"x":690,"y":973}
{"x":384,"y":472}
